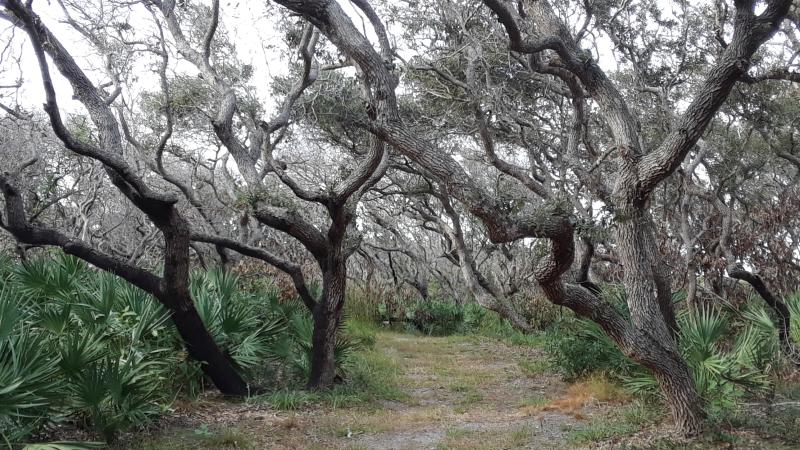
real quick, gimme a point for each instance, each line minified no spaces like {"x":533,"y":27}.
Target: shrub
{"x":242,"y":323}
{"x":438,"y":317}
{"x":82,"y":346}
{"x":532,"y":305}
{"x":579,"y":347}
{"x":76,"y":345}
{"x":474,"y":315}
{"x":727,"y":361}
{"x":293,"y":348}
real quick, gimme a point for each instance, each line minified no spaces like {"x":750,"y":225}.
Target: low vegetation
{"x":85,"y":348}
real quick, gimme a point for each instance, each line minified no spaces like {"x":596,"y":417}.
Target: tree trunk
{"x":653,"y":317}
{"x":175,"y":295}
{"x":784,"y":319}
{"x":327,"y":316}
{"x":201,"y":347}
{"x":685,"y":404}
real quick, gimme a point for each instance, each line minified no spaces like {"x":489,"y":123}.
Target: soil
{"x":459,"y":393}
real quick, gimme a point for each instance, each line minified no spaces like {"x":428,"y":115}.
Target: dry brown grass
{"x":591,"y":391}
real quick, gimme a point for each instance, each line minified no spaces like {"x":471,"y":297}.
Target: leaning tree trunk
{"x":327,"y":315}
{"x":784,"y":318}
{"x":175,"y":295}
{"x":201,"y":347}
{"x":652,"y":316}
{"x":677,"y":385}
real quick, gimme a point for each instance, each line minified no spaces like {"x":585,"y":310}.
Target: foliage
{"x":363,"y":305}
{"x":495,"y":326}
{"x":580,"y":347}
{"x":79,"y":345}
{"x":82,"y":346}
{"x":433,"y":316}
{"x":437,"y":317}
{"x":730,"y":352}
{"x":241,"y":322}
{"x":726,"y":361}
{"x":293,"y":348}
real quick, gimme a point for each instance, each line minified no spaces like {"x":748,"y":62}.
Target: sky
{"x":250,"y":26}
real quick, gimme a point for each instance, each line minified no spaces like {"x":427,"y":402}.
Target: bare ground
{"x":459,"y":393}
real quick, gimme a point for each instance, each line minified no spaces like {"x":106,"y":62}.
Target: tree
{"x":648,"y":337}
{"x":171,"y":289}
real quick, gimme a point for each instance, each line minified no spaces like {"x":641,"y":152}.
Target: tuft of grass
{"x":535,"y":368}
{"x":362,"y":305}
{"x":535,"y":401}
{"x":286,"y":400}
{"x":227,"y":438}
{"x":595,"y":389}
{"x":627,"y":421}
{"x":599,"y":430}
{"x":364,"y":334}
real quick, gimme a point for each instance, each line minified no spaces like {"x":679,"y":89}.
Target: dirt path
{"x":469,"y":394}
{"x":459,"y":393}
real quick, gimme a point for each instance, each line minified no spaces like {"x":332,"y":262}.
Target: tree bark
{"x":175,"y":295}
{"x":201,"y":347}
{"x":652,"y":315}
{"x":173,"y":288}
{"x":327,"y":318}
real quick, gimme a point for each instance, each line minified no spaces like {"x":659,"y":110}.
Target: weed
{"x":287,"y":400}
{"x":631,"y":419}
{"x":535,"y":368}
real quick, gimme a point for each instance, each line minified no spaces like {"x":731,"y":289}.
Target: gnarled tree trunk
{"x":327,"y":317}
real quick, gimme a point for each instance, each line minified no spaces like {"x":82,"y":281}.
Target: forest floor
{"x":458,"y":392}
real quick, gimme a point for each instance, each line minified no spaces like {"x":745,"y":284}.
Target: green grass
{"x":623,"y":422}
{"x":371,"y":376}
{"x":287,"y":400}
{"x":361,"y":332}
{"x":495,"y":327}
{"x":535,"y":367}
{"x":533,"y":401}
{"x":201,"y":437}
{"x":375,"y":376}
{"x":362,"y":306}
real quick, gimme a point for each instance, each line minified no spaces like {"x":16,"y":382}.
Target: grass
{"x":201,"y":437}
{"x":495,"y":327}
{"x":372,"y":376}
{"x":286,"y":400}
{"x":362,"y":305}
{"x":627,"y":421}
{"x":456,"y":393}
{"x":536,"y":401}
{"x":535,"y":367}
{"x":775,"y":423}
{"x":594,"y":389}
{"x":462,"y":438}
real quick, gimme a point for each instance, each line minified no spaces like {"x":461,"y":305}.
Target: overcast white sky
{"x":250,"y":25}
